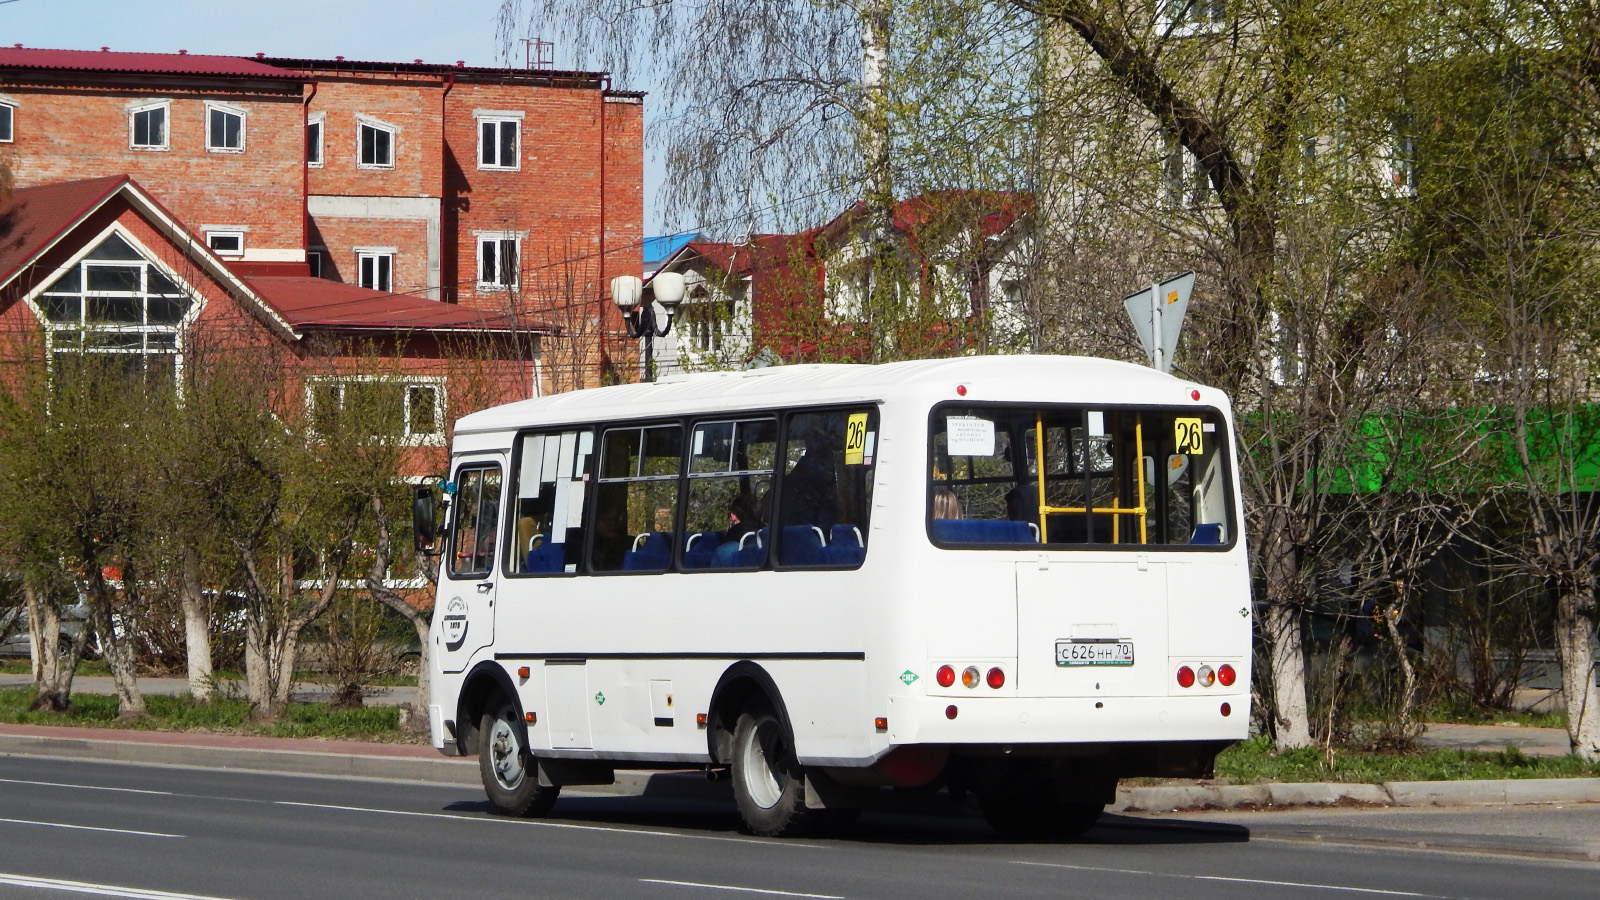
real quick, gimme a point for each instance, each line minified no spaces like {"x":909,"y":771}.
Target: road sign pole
{"x":1155,"y":327}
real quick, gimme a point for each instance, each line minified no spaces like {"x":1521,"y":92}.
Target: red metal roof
{"x":35,"y":216}
{"x":144,"y":63}
{"x":318,"y":302}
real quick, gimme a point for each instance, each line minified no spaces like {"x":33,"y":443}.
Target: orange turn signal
{"x":524,"y":672}
{"x":532,"y":717}
{"x":881,"y":723}
{"x":700,"y":719}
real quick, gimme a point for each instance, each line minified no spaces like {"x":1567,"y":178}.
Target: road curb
{"x":692,"y":785}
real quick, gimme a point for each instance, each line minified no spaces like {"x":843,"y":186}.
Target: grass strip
{"x":219,"y":716}
{"x":1254,"y":762}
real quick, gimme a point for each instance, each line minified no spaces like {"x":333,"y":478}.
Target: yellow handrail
{"x":1117,"y":510}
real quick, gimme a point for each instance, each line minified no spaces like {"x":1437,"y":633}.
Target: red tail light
{"x":997,"y":678}
{"x":1185,"y":677}
{"x":1227,"y":709}
{"x":950,"y":712}
{"x":1226,"y":676}
{"x":946,"y":676}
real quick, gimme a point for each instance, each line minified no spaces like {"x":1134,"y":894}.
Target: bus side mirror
{"x":424,"y":518}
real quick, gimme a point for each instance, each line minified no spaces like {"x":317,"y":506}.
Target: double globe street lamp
{"x":627,"y":291}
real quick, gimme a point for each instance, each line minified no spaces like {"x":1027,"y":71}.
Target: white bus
{"x":1019,"y":577}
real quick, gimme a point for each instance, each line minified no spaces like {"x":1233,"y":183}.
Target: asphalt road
{"x":77,"y":827}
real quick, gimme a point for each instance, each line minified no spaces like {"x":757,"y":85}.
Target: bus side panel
{"x":1209,"y":611}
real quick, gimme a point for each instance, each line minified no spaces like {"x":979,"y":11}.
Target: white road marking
{"x":89,"y":828}
{"x":86,"y":787}
{"x":537,"y":823}
{"x":747,"y":890}
{"x":1261,"y":881}
{"x":103,"y":890}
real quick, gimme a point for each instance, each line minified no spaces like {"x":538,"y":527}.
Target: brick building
{"x":505,"y":197}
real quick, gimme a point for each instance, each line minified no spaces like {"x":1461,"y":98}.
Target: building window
{"x":498,"y":144}
{"x":314,"y":143}
{"x":7,"y":113}
{"x":314,"y":263}
{"x":376,"y":269}
{"x":1189,"y":17}
{"x":498,"y":261}
{"x":377,"y":146}
{"x":147,"y":127}
{"x":114,"y":301}
{"x":410,"y":410}
{"x":224,"y":129}
{"x":226,"y":243}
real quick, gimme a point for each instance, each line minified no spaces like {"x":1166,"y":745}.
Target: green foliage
{"x":227,"y":716}
{"x":1254,"y":761}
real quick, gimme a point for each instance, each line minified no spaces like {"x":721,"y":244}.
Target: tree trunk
{"x":882,"y":295}
{"x":260,"y":674}
{"x":196,"y":628}
{"x":117,"y":648}
{"x":53,"y":668}
{"x":1574,"y":637}
{"x":1292,"y":722}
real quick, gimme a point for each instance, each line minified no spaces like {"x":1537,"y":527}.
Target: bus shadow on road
{"x":875,"y":826}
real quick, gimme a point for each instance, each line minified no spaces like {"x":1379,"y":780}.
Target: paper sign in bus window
{"x":855,"y":439}
{"x":968,"y":436}
{"x":1188,"y":435}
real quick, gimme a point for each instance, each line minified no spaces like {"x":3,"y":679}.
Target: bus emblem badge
{"x":600,"y":698}
{"x":455,"y":623}
{"x":908,"y":676}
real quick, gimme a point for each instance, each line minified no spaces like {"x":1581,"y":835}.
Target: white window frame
{"x":494,"y":239}
{"x":407,"y":437}
{"x":316,"y":121}
{"x":376,"y":253}
{"x":500,"y":119}
{"x":10,"y":109}
{"x":1204,"y":17}
{"x":166,"y":126}
{"x":231,"y":232}
{"x":212,"y":145}
{"x":365,"y":122}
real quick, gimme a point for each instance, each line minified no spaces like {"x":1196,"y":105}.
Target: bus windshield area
{"x":1111,"y":477}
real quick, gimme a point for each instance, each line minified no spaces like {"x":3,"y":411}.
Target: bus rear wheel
{"x":510,"y":777}
{"x":768,"y":784}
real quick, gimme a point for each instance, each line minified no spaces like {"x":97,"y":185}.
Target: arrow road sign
{"x":1157,"y":314}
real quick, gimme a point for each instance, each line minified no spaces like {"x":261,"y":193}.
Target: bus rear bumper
{"x":1014,"y":720}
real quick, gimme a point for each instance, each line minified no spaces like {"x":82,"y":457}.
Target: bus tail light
{"x":1226,"y":676}
{"x":946,"y":676}
{"x":1206,"y":676}
{"x":970,"y":677}
{"x":1185,"y":676}
{"x":1227,"y":709}
{"x":950,"y":711}
{"x":997,"y":678}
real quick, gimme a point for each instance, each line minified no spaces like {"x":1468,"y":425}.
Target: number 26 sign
{"x":1189,"y":436}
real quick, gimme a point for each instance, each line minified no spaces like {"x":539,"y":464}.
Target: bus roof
{"x":986,"y":378}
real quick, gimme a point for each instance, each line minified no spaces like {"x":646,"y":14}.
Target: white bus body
{"x":836,"y":648}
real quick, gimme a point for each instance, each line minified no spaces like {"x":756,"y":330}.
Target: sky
{"x":435,"y":31}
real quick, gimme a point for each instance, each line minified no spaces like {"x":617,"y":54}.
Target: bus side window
{"x":637,"y":499}
{"x":552,"y":473}
{"x":825,"y":499}
{"x":730,"y":480}
{"x":477,"y":509}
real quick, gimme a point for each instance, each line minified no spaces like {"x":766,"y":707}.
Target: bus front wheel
{"x":768,"y":784}
{"x":510,"y":777}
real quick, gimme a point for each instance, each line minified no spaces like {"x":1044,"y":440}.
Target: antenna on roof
{"x":538,"y":54}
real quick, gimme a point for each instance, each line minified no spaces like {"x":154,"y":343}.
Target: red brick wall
{"x":71,"y":132}
{"x":407,"y":102}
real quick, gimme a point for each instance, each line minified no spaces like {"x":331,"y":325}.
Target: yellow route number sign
{"x":1189,"y":436}
{"x":855,"y":439}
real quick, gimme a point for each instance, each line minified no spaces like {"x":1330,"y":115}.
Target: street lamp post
{"x":627,"y":292}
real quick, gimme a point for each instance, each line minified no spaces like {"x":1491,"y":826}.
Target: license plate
{"x":1094,"y":653}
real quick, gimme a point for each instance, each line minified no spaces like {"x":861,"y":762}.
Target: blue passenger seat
{"x":753,"y":549}
{"x":652,"y":551}
{"x":701,"y":547}
{"x":845,"y":547}
{"x":983,"y":531}
{"x":547,"y":557}
{"x":803,"y":546}
{"x":1207,"y":533}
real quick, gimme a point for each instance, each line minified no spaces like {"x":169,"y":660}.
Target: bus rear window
{"x":1111,"y":477}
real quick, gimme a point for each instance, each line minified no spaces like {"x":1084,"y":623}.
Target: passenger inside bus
{"x":743,"y":519}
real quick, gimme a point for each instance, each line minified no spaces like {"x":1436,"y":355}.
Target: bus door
{"x":464,"y":619}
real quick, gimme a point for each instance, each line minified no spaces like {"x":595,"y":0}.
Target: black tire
{"x":768,"y":784}
{"x":509,"y":775}
{"x":1021,"y":803}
